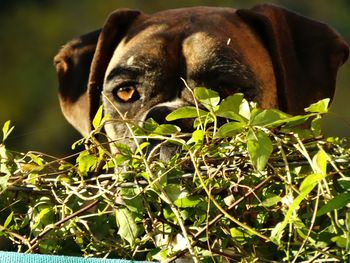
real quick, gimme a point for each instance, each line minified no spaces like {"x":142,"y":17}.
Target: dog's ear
{"x":73,"y":67}
{"x":80,"y":67}
{"x":306,"y":54}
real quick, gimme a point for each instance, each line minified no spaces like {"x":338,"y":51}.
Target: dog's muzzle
{"x":159,"y":113}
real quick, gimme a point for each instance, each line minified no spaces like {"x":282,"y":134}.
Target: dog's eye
{"x":126,"y":93}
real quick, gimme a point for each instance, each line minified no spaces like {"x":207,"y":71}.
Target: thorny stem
{"x":285,"y":161}
{"x":334,"y":214}
{"x":195,"y":103}
{"x":219,"y":206}
{"x":219,"y":216}
{"x":164,"y":194}
{"x":15,"y":235}
{"x":207,"y":228}
{"x":301,"y":148}
{"x":224,"y":213}
{"x":311,"y":225}
{"x":289,"y":191}
{"x":34,"y":243}
{"x":233,"y":205}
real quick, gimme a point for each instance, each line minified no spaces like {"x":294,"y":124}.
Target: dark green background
{"x":31,"y":32}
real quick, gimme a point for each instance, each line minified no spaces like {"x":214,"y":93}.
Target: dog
{"x":276,"y":57}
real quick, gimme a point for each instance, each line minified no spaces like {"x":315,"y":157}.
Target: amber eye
{"x":126,"y":94}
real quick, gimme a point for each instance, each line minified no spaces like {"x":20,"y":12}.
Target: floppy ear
{"x":81,"y":65}
{"x":306,"y":54}
{"x":73,"y":67}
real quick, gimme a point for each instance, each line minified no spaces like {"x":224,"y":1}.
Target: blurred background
{"x":32,"y":31}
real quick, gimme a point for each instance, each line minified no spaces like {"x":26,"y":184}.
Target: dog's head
{"x":273,"y":56}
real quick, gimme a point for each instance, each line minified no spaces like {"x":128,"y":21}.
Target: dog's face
{"x":209,"y":47}
{"x":142,"y":63}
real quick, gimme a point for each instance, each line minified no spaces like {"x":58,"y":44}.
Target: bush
{"x":247,"y":185}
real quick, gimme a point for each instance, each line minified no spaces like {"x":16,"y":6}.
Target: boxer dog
{"x":275,"y":57}
{"x":137,"y":61}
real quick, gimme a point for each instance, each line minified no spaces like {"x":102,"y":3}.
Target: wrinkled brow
{"x":222,"y":62}
{"x":124,"y":70}
{"x":138,"y":67}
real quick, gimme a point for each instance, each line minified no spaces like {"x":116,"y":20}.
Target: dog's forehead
{"x":138,"y":48}
{"x":193,"y":14}
{"x":193,"y":32}
{"x":195,"y":41}
{"x":203,"y":48}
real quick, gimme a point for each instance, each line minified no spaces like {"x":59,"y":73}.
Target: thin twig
{"x":219,"y":216}
{"x":15,"y":235}
{"x":163,"y":194}
{"x":34,"y":242}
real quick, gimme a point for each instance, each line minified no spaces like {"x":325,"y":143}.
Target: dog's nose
{"x":159,"y":114}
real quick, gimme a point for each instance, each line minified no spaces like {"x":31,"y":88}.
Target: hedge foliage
{"x":248,"y":185}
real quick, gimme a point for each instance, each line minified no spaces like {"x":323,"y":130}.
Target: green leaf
{"x":36,"y":159}
{"x":185,"y":113}
{"x":259,"y":148}
{"x":86,"y":162}
{"x":6,"y":130}
{"x":316,"y":126}
{"x":174,"y":191}
{"x":203,"y":120}
{"x":208,"y":98}
{"x":5,"y":158}
{"x":231,"y":104}
{"x":44,"y":217}
{"x":169,"y":214}
{"x":197,"y":136}
{"x":296,"y":120}
{"x":160,"y":255}
{"x":277,"y":233}
{"x":31,"y":167}
{"x":268,"y":118}
{"x":8,"y":220}
{"x":233,"y":116}
{"x":344,"y":182}
{"x":340,"y":241}
{"x":142,"y":146}
{"x":310,"y":182}
{"x":188,"y":201}
{"x":337,"y":202}
{"x":5,"y":167}
{"x":133,"y":200}
{"x":4,"y":182}
{"x":244,"y":109}
{"x":150,"y":125}
{"x":123,"y":149}
{"x":319,"y":107}
{"x":167,"y":129}
{"x":77,"y":143}
{"x":320,"y":162}
{"x":121,"y":159}
{"x":347,"y":221}
{"x":128,"y":228}
{"x":239,"y":235}
{"x":271,"y":200}
{"x":98,"y":117}
{"x":306,"y":187}
{"x":230,"y":129}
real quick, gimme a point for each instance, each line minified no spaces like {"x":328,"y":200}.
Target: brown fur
{"x":272,"y":55}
